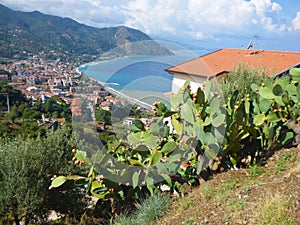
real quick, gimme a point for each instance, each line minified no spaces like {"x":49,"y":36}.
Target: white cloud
{"x":276,"y":7}
{"x":296,"y":22}
{"x":154,"y":17}
{"x":194,"y":19}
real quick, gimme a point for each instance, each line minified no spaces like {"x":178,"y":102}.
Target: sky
{"x":194,"y":24}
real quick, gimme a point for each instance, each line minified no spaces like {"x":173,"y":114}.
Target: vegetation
{"x":24,"y":33}
{"x":148,"y":211}
{"x":24,"y":113}
{"x":26,"y":166}
{"x":274,"y":210}
{"x":235,"y":197}
{"x":103,"y":116}
{"x":205,"y":138}
{"x":15,"y":96}
{"x":241,"y":79}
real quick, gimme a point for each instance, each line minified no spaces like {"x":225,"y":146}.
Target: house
{"x":106,"y":105}
{"x":221,"y":62}
{"x":32,"y":79}
{"x":128,"y":121}
{"x":3,"y":77}
{"x":76,"y":108}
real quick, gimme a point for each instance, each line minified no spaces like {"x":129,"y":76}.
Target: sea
{"x":139,"y":77}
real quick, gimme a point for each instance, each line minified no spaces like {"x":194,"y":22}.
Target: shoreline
{"x":132,"y":96}
{"x":120,"y":94}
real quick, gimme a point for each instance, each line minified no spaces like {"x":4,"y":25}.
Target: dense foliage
{"x":26,"y":166}
{"x":24,"y":113}
{"x":203,"y":136}
{"x":240,"y":79}
{"x":15,"y":96}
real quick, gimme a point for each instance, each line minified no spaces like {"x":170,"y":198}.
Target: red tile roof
{"x":225,"y":60}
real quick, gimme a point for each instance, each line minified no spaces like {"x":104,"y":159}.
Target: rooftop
{"x":226,"y":59}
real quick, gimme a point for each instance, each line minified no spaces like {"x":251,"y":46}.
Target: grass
{"x":185,"y":203}
{"x":220,"y":194}
{"x":237,"y":204}
{"x":148,"y":211}
{"x":238,"y":197}
{"x":192,"y":220}
{"x":283,"y":161}
{"x":255,"y":170}
{"x":274,"y":210}
{"x":208,"y":192}
{"x":241,"y":79}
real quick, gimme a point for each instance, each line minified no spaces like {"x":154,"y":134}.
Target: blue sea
{"x":140,"y":77}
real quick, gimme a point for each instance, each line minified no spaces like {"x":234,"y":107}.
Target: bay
{"x":141,"y":77}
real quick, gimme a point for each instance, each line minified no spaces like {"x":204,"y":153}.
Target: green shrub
{"x":148,"y":210}
{"x":240,"y":80}
{"x":26,"y":166}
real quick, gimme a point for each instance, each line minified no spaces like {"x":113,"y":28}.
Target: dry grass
{"x":274,"y":210}
{"x":268,"y":194}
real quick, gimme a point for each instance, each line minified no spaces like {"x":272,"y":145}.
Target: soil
{"x":236,"y":196}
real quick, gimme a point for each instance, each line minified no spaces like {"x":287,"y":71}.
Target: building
{"x":221,"y":62}
{"x":32,"y":79}
{"x":128,"y":121}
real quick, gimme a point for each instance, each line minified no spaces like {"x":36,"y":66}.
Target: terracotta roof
{"x":75,"y":102}
{"x":61,"y":120}
{"x":225,"y":60}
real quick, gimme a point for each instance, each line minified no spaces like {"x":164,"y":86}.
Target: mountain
{"x":34,"y":32}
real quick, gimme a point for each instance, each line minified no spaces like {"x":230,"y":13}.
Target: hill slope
{"x":34,"y":32}
{"x":267,"y":194}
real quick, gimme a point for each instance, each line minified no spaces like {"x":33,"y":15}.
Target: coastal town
{"x":40,"y":79}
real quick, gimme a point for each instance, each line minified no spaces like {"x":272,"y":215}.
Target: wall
{"x":179,"y":80}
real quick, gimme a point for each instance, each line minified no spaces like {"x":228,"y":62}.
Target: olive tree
{"x":26,"y":168}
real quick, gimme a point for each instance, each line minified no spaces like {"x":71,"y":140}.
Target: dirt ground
{"x":245,"y":196}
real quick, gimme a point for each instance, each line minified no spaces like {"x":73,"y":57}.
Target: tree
{"x":241,"y":80}
{"x":15,"y":96}
{"x":103,"y":116}
{"x":26,"y":166}
{"x":13,"y":114}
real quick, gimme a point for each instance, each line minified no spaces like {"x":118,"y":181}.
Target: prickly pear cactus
{"x":199,"y":131}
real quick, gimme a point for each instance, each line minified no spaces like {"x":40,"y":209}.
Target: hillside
{"x":34,"y":32}
{"x":267,"y":194}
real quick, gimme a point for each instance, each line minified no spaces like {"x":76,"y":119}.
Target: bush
{"x":148,"y":210}
{"x":240,"y":80}
{"x":26,"y":166}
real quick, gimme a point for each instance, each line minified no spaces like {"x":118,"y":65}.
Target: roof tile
{"x":225,"y":60}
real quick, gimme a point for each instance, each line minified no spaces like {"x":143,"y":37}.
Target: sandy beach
{"x":135,"y":96}
{"x":147,"y":96}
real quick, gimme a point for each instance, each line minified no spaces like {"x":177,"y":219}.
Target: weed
{"x":274,"y":210}
{"x":255,"y":170}
{"x":230,"y":185}
{"x":281,"y":165}
{"x":246,"y":190}
{"x":287,"y":156}
{"x":283,"y":161}
{"x":208,"y":192}
{"x":222,"y":197}
{"x":185,"y":203}
{"x":192,"y":220}
{"x":237,"y":204}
